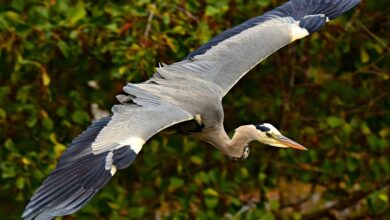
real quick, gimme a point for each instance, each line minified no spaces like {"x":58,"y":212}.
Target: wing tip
{"x":297,"y":9}
{"x":62,"y":187}
{"x":342,"y":8}
{"x":330,"y":8}
{"x":312,"y":15}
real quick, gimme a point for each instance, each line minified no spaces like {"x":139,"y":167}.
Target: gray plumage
{"x":184,"y":97}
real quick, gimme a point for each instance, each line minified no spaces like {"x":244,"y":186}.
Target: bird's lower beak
{"x":289,"y":143}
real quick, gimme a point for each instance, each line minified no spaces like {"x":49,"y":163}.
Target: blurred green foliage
{"x":329,"y":91}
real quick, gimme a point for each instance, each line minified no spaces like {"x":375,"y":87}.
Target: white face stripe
{"x":273,"y":130}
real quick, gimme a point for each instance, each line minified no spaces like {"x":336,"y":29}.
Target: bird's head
{"x":268,"y":134}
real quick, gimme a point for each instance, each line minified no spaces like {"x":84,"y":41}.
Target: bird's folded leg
{"x":245,"y":154}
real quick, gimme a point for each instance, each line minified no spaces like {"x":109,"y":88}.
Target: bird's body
{"x":185,"y":97}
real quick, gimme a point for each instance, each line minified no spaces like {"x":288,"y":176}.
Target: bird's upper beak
{"x":289,"y":143}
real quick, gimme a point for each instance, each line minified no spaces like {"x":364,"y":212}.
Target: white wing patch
{"x":133,"y":125}
{"x":123,"y":137}
{"x":113,"y":170}
{"x":296,"y":32}
{"x":108,"y":164}
{"x":135,"y":143}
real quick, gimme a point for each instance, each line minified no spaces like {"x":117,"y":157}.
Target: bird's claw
{"x":245,"y":154}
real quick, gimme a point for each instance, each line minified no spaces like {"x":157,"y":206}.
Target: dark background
{"x":62,"y":62}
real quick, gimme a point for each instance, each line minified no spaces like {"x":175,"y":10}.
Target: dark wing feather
{"x":78,"y":176}
{"x":83,"y":169}
{"x":296,"y":9}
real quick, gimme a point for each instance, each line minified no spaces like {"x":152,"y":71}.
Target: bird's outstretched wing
{"x":91,"y":160}
{"x":227,"y":57}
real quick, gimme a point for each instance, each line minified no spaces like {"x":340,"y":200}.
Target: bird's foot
{"x":245,"y":154}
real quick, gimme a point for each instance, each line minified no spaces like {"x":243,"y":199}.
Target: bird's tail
{"x":79,"y":175}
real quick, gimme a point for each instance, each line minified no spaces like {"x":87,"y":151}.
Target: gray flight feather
{"x":230,"y":55}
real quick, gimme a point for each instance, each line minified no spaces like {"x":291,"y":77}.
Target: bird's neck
{"x":234,"y":147}
{"x":242,"y":136}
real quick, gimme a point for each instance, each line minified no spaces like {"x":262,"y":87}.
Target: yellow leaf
{"x":170,"y":43}
{"x":53,"y":138}
{"x":45,"y":78}
{"x":365,"y":129}
{"x":3,"y":114}
{"x":123,"y":69}
{"x":384,"y":197}
{"x":178,"y":30}
{"x":196,"y":160}
{"x":210,"y":192}
{"x":113,"y":205}
{"x":59,"y":148}
{"x":364,"y":56}
{"x":25,"y":161}
{"x":384,"y":133}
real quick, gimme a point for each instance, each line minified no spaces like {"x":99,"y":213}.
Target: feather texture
{"x":78,"y":176}
{"x":297,"y":9}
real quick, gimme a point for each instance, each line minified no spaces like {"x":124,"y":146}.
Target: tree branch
{"x":342,"y":204}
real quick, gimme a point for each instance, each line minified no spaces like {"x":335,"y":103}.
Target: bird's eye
{"x":268,"y":134}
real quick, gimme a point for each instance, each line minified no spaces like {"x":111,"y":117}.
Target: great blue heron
{"x":185,"y":97}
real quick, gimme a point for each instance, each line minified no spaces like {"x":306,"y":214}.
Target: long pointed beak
{"x":290,"y":143}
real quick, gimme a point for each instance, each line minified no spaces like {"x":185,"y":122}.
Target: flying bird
{"x":183,"y":97}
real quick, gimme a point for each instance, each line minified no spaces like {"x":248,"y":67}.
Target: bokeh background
{"x":63,"y":61}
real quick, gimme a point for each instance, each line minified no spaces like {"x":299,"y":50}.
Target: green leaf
{"x":373,"y":141}
{"x":3,"y":114}
{"x":211,"y":10}
{"x":352,"y":163}
{"x":178,"y":30}
{"x":211,"y":202}
{"x":274,"y":205}
{"x":18,"y":5}
{"x":176,"y":182}
{"x":9,"y":144}
{"x":20,"y":183}
{"x":32,"y":120}
{"x":76,"y":13}
{"x":334,"y":121}
{"x":80,"y":117}
{"x":64,"y":48}
{"x":47,"y":123}
{"x":8,"y":170}
{"x":261,"y":176}
{"x":23,"y":93}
